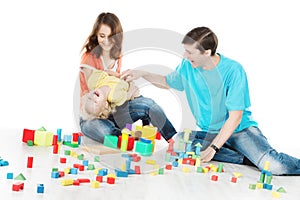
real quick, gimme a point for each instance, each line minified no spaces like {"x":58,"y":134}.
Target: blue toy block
{"x":120,"y":173}
{"x":40,"y":188}
{"x":55,"y":174}
{"x":10,"y":175}
{"x":102,"y":172}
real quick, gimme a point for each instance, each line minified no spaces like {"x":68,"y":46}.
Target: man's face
{"x":194,"y":55}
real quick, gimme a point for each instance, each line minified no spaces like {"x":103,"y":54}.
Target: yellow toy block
{"x":67,"y":182}
{"x":214,"y":169}
{"x":198,"y":162}
{"x":275,"y":194}
{"x":154,"y":173}
{"x":259,"y":185}
{"x":112,"y":175}
{"x":43,"y":138}
{"x":67,"y":170}
{"x":186,"y":169}
{"x":267,"y":165}
{"x":186,"y":135}
{"x":139,"y":128}
{"x":95,"y":184}
{"x":205,"y":170}
{"x":149,"y":132}
{"x":123,"y":167}
{"x":150,"y":162}
{"x":237,"y":174}
{"x":124,"y":141}
{"x":96,"y":171}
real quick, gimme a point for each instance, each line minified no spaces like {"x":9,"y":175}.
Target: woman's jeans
{"x":248,"y":144}
{"x":140,"y":108}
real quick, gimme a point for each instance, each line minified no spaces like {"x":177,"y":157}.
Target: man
{"x":217,"y":91}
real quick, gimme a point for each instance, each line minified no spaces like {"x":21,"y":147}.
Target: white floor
{"x":173,"y":184}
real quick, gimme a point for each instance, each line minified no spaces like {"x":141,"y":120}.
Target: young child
{"x":106,"y":92}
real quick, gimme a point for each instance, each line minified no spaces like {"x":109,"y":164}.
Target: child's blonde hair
{"x":86,"y":115}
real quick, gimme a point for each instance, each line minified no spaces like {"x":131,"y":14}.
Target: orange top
{"x":93,"y":61}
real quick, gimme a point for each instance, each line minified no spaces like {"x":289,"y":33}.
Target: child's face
{"x":96,"y":103}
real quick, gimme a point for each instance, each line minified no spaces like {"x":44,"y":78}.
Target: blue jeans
{"x":249,"y":144}
{"x":140,"y":108}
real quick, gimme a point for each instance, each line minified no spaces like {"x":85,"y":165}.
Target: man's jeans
{"x":140,"y":108}
{"x":253,"y":145}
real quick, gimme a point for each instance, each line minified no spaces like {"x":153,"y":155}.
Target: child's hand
{"x":112,"y":73}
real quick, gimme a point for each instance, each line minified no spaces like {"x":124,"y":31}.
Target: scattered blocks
{"x":18,"y":186}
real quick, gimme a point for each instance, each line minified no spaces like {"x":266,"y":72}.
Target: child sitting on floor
{"x":106,"y":93}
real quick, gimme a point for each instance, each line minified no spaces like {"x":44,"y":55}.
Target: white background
{"x":40,"y":43}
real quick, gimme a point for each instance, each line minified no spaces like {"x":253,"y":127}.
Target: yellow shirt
{"x":118,"y":87}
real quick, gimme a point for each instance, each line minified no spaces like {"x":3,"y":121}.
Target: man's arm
{"x":226,"y":131}
{"x":155,"y":79}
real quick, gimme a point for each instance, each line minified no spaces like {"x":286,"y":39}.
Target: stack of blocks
{"x":141,"y":139}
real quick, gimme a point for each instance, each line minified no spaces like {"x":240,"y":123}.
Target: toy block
{"x":158,"y":136}
{"x":29,"y":162}
{"x":67,"y":170}
{"x":198,"y":147}
{"x":175,"y":163}
{"x":124,"y":141}
{"x":137,"y":169}
{"x":252,"y":186}
{"x":220,"y":167}
{"x":237,"y":174}
{"x":267,"y":186}
{"x":3,"y":162}
{"x":91,"y":167}
{"x":67,"y":182}
{"x":259,"y":185}
{"x":58,"y":132}
{"x":67,"y":152}
{"x":55,"y":139}
{"x":20,"y":177}
{"x":97,"y":159}
{"x":43,"y":138}
{"x":205,"y":169}
{"x":233,"y":179}
{"x":42,"y":129}
{"x":120,"y":173}
{"x":74,"y":171}
{"x":75,"y":137}
{"x":63,"y":160}
{"x":198,"y":162}
{"x":186,"y":169}
{"x":110,"y":180}
{"x":275,"y":194}
{"x":150,"y":162}
{"x":55,"y":174}
{"x":18,"y":186}
{"x":76,"y":182}
{"x":281,"y":190}
{"x":84,"y":180}
{"x":99,"y":178}
{"x":130,"y":144}
{"x":128,"y":126}
{"x":186,"y":135}
{"x":214,"y":178}
{"x":55,"y":148}
{"x":171,"y":145}
{"x":9,"y":175}
{"x":149,"y":132}
{"x":61,"y":174}
{"x":161,"y":171}
{"x":95,"y":184}
{"x":144,"y":149}
{"x":102,"y":172}
{"x":28,"y":135}
{"x":70,"y":144}
{"x":80,"y":157}
{"x":40,"y":188}
{"x":29,"y":143}
{"x":111,"y":175}
{"x":199,"y":169}
{"x":267,"y":165}
{"x":85,"y":162}
{"x":111,"y":141}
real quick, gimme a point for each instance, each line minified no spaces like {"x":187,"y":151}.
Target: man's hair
{"x":204,"y":37}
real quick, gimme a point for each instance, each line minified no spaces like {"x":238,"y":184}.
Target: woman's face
{"x":104,"y":37}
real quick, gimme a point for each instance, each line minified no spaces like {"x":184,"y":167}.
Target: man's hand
{"x":130,"y":75}
{"x":207,"y":154}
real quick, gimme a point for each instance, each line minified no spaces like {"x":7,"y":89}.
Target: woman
{"x":103,"y":51}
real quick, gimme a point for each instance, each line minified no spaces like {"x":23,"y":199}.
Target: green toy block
{"x":42,"y":129}
{"x":281,"y":190}
{"x":111,"y":141}
{"x":43,"y":138}
{"x":70,"y":144}
{"x":20,"y":177}
{"x":29,"y":142}
{"x":91,"y":167}
{"x":144,"y":149}
{"x":97,"y":159}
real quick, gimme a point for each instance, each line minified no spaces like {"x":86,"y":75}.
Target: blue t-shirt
{"x":212,"y":93}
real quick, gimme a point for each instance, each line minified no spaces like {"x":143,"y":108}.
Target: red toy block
{"x":75,"y":137}
{"x":55,"y":148}
{"x":63,"y":160}
{"x":130,"y":144}
{"x":214,"y":178}
{"x":76,"y":182}
{"x":28,"y":135}
{"x":83,"y":180}
{"x":137,"y":169}
{"x":168,"y":166}
{"x":61,"y":174}
{"x":110,"y":180}
{"x":99,"y":178}
{"x":234,"y":179}
{"x":55,"y":139}
{"x":79,"y":167}
{"x":29,"y":161}
{"x":18,"y":186}
{"x":158,"y":136}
